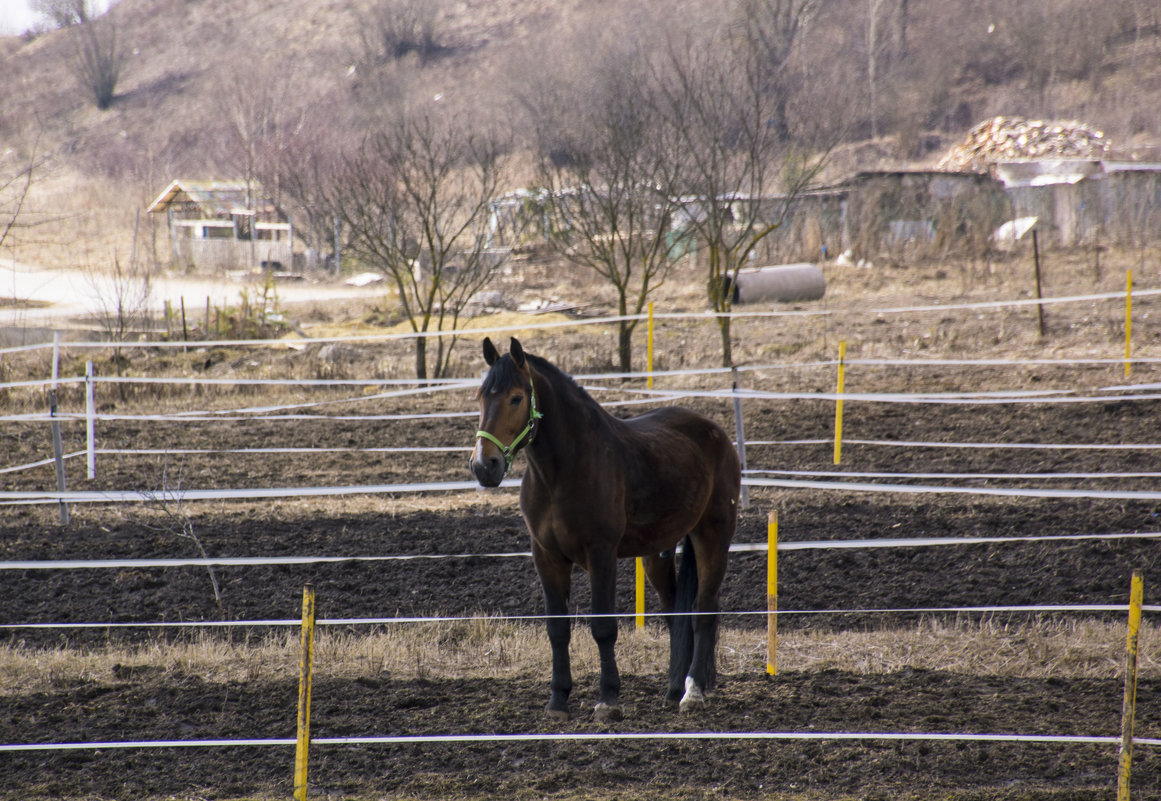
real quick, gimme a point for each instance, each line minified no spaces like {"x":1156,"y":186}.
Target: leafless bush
{"x":393,"y":29}
{"x":123,"y":296}
{"x":175,"y":519}
{"x":97,"y":59}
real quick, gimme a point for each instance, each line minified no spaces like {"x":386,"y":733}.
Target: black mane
{"x":503,"y":375}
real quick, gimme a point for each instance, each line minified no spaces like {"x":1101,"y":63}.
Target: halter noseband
{"x":509,"y":451}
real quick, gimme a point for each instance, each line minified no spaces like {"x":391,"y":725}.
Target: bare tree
{"x":771,"y":30}
{"x":298,"y":170}
{"x":611,"y":178}
{"x":1052,"y":40}
{"x":875,"y":42}
{"x":252,"y":108}
{"x":16,"y":176}
{"x":740,"y":177}
{"x":415,"y":201}
{"x":97,"y":58}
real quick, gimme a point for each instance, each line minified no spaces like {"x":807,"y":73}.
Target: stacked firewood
{"x":1013,"y":138}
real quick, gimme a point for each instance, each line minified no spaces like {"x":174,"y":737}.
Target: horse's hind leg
{"x":710,"y":542}
{"x":663,"y":576}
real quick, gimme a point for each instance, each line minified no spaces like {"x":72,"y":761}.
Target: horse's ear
{"x":491,"y":355}
{"x":517,"y":352}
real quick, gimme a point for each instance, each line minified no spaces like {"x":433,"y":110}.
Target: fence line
{"x":988,"y":398}
{"x":574,"y":616}
{"x":589,"y":737}
{"x":1117,"y":446}
{"x":33,"y":497}
{"x":737,"y":547}
{"x":969,"y":476}
{"x":749,"y":443}
{"x":453,"y":449}
{"x":475,"y":331}
{"x":442,"y":384}
{"x":855,"y":486}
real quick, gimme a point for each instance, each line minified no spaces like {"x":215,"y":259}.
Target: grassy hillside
{"x":940,"y":68}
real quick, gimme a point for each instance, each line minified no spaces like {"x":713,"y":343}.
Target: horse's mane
{"x":560,"y":380}
{"x":503,"y":375}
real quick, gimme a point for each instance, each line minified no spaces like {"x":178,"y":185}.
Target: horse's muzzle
{"x":488,"y":470}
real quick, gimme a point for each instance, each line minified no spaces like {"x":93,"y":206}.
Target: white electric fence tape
{"x":735,"y":315}
{"x":737,"y":547}
{"x":29,"y":497}
{"x":590,"y":737}
{"x":575,"y":616}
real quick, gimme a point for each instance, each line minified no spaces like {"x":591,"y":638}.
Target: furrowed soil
{"x":145,"y":703}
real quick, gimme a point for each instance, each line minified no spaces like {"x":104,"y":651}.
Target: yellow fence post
{"x":772,"y":594}
{"x":1129,"y":706}
{"x":838,"y":407}
{"x":1128,"y":322}
{"x":304,"y":672}
{"x":640,"y":594}
{"x":649,"y":347}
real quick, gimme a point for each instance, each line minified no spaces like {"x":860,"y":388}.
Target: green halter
{"x":509,"y":451}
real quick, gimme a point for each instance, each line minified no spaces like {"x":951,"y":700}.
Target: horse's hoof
{"x":608,"y":713}
{"x":556,"y":714}
{"x":693,"y":699}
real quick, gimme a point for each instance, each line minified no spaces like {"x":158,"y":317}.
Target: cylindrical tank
{"x":783,"y":283}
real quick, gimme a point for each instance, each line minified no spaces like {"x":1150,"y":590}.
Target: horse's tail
{"x":681,"y":632}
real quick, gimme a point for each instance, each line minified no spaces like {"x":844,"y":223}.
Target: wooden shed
{"x":224,"y":225}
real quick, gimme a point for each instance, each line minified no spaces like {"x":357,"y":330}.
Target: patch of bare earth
{"x":856,"y":670}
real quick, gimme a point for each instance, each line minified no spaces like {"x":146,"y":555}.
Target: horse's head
{"x":508,"y":413}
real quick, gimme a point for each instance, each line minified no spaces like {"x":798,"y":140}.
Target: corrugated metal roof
{"x":216,"y":198}
{"x":1045,"y":172}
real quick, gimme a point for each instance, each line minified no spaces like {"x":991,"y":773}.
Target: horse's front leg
{"x":556,"y":580}
{"x":603,"y":576}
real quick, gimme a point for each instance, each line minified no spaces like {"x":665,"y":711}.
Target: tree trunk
{"x":727,"y":349}
{"x":625,"y":346}
{"x":421,"y":358}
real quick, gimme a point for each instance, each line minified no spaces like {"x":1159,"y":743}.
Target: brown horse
{"x":598,"y":488}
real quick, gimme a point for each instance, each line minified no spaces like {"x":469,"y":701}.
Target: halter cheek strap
{"x":509,"y":451}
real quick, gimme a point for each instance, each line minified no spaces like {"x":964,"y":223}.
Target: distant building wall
{"x":1080,"y":202}
{"x":903,"y":214}
{"x":210,"y":246}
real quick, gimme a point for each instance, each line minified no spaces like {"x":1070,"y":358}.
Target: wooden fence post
{"x":740,"y":435}
{"x":57,"y":444}
{"x":649,"y":348}
{"x":772,"y":594}
{"x":305,"y":666}
{"x":1129,"y":705}
{"x":838,"y":406}
{"x":90,"y":422}
{"x":1128,"y":322}
{"x":639,"y":593}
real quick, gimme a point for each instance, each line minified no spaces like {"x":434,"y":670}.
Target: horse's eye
{"x":516,"y":400}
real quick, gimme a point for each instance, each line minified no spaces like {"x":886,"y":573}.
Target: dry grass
{"x":495,"y":649}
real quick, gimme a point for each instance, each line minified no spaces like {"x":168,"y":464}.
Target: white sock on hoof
{"x":693,"y":698}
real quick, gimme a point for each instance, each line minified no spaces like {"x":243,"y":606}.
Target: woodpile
{"x":1013,"y":138}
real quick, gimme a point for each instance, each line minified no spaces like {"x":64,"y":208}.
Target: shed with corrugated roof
{"x":224,"y":225}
